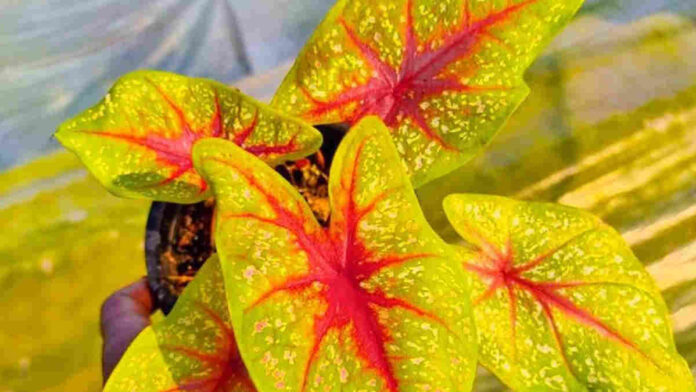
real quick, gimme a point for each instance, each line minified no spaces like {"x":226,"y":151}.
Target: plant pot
{"x":178,"y":237}
{"x":177,"y":242}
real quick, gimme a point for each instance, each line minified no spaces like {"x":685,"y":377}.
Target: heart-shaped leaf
{"x":192,"y":349}
{"x":137,"y":141}
{"x":443,"y":75}
{"x":561,"y":303}
{"x":371,"y":303}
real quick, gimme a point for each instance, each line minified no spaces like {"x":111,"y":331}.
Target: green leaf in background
{"x":192,"y":349}
{"x":444,"y":76}
{"x":372,"y":303}
{"x":137,"y":141}
{"x":561,"y":303}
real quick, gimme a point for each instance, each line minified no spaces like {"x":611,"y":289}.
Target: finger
{"x":123,"y":315}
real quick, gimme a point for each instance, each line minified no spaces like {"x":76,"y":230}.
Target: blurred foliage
{"x":66,"y":245}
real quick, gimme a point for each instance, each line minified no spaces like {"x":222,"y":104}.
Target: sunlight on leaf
{"x":192,"y":349}
{"x":560,"y":301}
{"x":443,"y":75}
{"x":137,"y":141}
{"x":372,"y":303}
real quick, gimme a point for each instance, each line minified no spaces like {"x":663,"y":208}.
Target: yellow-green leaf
{"x":193,"y":349}
{"x":561,"y":303}
{"x":374,"y":302}
{"x":443,"y":75}
{"x":137,"y":141}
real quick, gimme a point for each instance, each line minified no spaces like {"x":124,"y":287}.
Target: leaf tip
{"x":370,"y":126}
{"x":450,"y":201}
{"x":64,"y":133}
{"x":205,"y":149}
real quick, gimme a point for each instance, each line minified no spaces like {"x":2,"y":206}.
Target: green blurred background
{"x":610,"y":126}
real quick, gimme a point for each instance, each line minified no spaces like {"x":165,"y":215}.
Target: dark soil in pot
{"x":178,"y":238}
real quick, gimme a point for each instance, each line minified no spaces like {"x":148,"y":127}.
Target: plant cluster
{"x":545,"y":296}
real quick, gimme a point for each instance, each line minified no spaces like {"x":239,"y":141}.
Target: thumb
{"x":123,"y":316}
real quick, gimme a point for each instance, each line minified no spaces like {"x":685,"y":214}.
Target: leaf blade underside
{"x":193,"y":349}
{"x":560,"y":301}
{"x":367,"y":303}
{"x":443,"y":75}
{"x":137,"y":141}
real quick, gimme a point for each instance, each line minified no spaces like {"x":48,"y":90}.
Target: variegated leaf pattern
{"x":444,"y":75}
{"x":374,"y":302}
{"x":193,"y":349}
{"x":560,"y":302}
{"x":137,"y":141}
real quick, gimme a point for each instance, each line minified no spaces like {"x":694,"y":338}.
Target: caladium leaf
{"x":137,"y":141}
{"x":371,"y":303}
{"x":193,"y":349}
{"x":443,"y":76}
{"x":561,"y":303}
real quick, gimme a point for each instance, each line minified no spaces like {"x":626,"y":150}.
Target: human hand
{"x":124,"y":315}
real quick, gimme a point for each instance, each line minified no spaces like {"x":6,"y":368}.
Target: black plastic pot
{"x":178,"y":237}
{"x":177,"y":243}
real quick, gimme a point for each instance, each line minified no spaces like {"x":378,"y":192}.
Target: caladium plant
{"x":137,"y":141}
{"x":561,"y":303}
{"x":373,"y":299}
{"x":371,"y":303}
{"x":192,"y":349}
{"x":443,"y":75}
